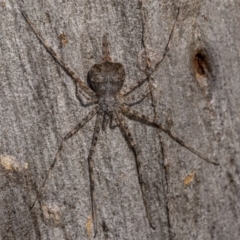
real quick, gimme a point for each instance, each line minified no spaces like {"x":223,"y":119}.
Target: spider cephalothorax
{"x":105,"y":92}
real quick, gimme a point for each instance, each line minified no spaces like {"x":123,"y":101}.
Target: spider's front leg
{"x":85,"y":101}
{"x":126,"y":91}
{"x":87,"y":92}
{"x":145,"y":119}
{"x":128,"y":136}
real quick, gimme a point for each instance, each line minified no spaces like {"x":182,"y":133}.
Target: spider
{"x":106,"y":94}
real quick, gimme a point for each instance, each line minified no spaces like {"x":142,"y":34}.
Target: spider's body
{"x":106,"y":81}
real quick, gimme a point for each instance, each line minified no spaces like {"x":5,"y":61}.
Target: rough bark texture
{"x":195,"y":91}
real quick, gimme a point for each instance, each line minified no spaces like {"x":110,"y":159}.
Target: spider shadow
{"x":78,"y":93}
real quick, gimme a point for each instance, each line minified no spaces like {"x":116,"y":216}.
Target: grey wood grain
{"x":195,"y":92}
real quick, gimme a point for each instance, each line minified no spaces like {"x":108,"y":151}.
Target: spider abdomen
{"x":107,"y":78}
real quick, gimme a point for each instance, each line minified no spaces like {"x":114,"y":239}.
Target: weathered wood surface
{"x":195,"y":91}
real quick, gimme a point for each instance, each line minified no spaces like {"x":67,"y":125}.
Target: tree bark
{"x":195,"y":93}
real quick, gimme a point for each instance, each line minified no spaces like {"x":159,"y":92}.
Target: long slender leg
{"x":167,"y":46}
{"x":59,"y":60}
{"x":91,"y":173}
{"x":134,"y":86}
{"x":85,"y":102}
{"x":57,"y":155}
{"x":145,"y":119}
{"x":130,"y":88}
{"x":105,"y":121}
{"x":113,"y":122}
{"x":137,"y":98}
{"x":133,"y":146}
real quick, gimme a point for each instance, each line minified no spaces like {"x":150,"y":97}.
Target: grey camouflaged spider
{"x":105,"y":92}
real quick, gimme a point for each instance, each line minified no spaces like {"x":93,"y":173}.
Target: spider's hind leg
{"x":126,"y":132}
{"x":57,"y":155}
{"x":105,"y":122}
{"x":90,"y":168}
{"x":145,"y":119}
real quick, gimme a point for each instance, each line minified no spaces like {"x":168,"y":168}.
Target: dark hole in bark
{"x":201,"y":63}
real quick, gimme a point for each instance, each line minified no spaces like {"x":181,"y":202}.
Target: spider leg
{"x":59,"y":60}
{"x":135,"y":99}
{"x":124,"y":92}
{"x":57,"y":155}
{"x":88,"y":102}
{"x":167,"y":46}
{"x":112,"y":121}
{"x":145,"y":119}
{"x":105,"y":121}
{"x":90,"y":168}
{"x":125,"y":130}
{"x":134,"y":86}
